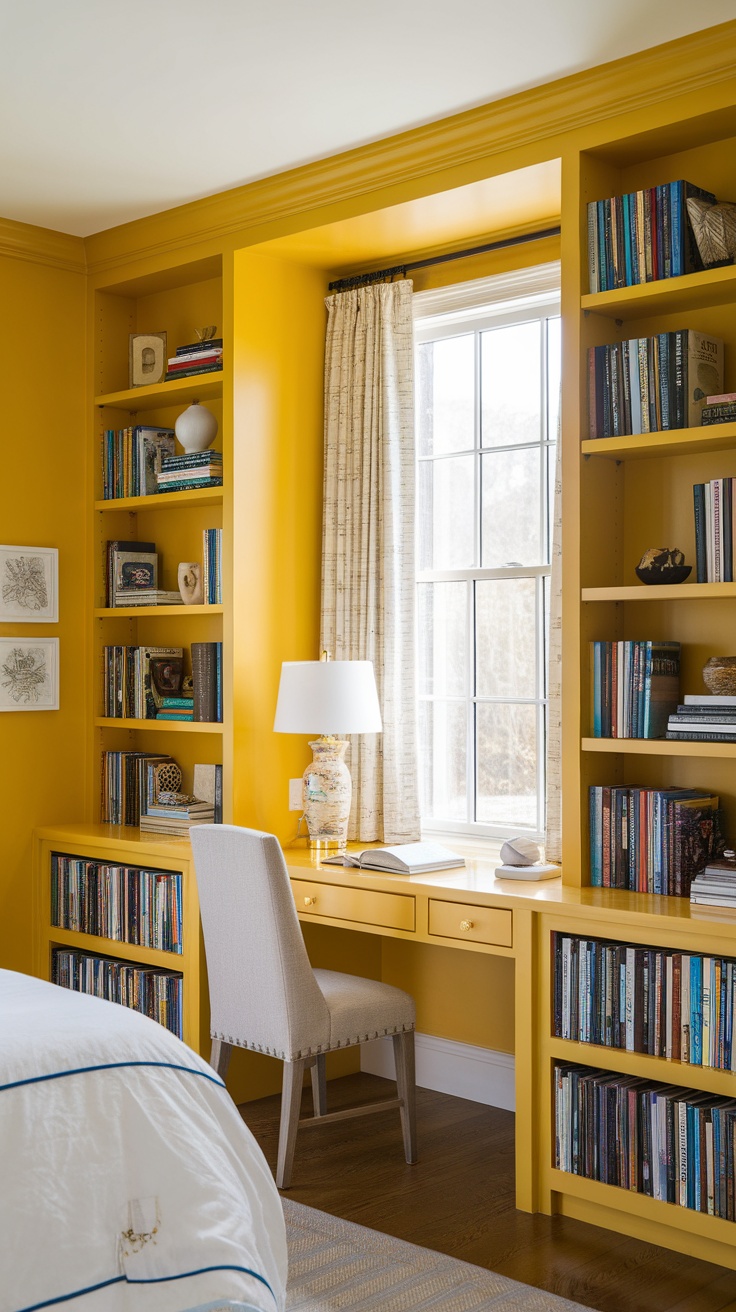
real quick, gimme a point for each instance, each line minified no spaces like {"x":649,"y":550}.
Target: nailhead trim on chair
{"x":310,"y":1052}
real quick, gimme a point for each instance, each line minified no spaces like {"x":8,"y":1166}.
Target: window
{"x":488,"y":385}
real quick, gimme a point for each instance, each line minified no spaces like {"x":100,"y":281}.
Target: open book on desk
{"x":404,"y":859}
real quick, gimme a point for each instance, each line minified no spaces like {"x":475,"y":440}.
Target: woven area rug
{"x":336,"y":1265}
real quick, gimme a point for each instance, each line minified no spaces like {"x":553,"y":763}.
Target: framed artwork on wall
{"x":29,"y":674}
{"x":29,"y":585}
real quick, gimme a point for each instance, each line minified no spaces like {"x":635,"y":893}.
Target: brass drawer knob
{"x":466,"y":924}
{"x":309,"y":901}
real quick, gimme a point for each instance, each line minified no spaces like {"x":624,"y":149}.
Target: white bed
{"x":128,"y":1181}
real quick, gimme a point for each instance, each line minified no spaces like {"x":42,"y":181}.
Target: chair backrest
{"x":263,"y":993}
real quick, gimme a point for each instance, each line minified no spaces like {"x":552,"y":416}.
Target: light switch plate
{"x":295,"y":795}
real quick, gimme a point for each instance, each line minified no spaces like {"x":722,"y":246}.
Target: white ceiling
{"x":114,"y":109}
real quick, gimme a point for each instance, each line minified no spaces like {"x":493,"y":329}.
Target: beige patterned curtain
{"x":553,"y":838}
{"x":368,"y":584}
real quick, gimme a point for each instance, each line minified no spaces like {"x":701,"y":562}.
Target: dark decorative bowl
{"x":664,"y":573}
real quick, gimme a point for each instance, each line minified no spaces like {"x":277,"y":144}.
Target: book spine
{"x":218,"y":795}
{"x":700,"y":553}
{"x":204,"y":678}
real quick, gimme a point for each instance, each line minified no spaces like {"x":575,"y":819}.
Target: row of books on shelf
{"x":652,"y":840}
{"x":643,"y":236}
{"x":148,"y":683}
{"x":714,"y":511}
{"x":136,"y":790}
{"x":155,"y":993}
{"x":672,"y":1144}
{"x":634,"y":688}
{"x":652,"y":384}
{"x":195,"y":358}
{"x":675,"y":1005}
{"x":125,"y":903}
{"x":141,"y":461}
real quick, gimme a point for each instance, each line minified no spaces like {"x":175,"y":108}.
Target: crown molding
{"x":528,"y":118}
{"x":24,"y":241}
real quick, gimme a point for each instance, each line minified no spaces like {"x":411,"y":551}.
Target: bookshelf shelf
{"x":211,"y":496}
{"x":157,"y":612}
{"x":665,"y":592}
{"x":706,"y":1078}
{"x":164,"y":726}
{"x":200,"y":387}
{"x":694,"y":291}
{"x":113,"y":947}
{"x":674,"y":442}
{"x":658,"y":747}
{"x":641,"y":1207}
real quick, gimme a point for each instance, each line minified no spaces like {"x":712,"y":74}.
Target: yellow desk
{"x":468,"y":909}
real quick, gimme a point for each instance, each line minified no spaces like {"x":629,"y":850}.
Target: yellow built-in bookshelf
{"x":262,"y":279}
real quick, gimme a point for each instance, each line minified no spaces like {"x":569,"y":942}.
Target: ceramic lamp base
{"x":327,"y":791}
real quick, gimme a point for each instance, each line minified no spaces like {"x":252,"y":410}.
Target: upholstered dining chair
{"x":265,"y":995}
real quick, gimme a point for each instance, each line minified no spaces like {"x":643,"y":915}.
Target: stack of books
{"x":200,"y":469}
{"x":719,"y":409}
{"x":716,"y":887}
{"x":704,"y":719}
{"x":642,"y":236}
{"x":713,"y":509}
{"x":148,"y":597}
{"x":176,"y":708}
{"x":634,"y":688}
{"x":651,"y":840}
{"x":131,"y":460}
{"x":196,"y":358}
{"x":651,"y":384}
{"x":212,"y":571}
{"x":176,"y":819}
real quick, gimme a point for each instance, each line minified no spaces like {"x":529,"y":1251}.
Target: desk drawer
{"x":385,"y":910}
{"x":473,"y":924}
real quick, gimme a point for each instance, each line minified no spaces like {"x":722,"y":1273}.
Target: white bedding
{"x":128,"y":1181}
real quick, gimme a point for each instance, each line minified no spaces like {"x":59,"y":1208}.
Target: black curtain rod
{"x":365,"y":279}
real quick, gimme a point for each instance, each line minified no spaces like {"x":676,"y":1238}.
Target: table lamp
{"x":328,"y":698}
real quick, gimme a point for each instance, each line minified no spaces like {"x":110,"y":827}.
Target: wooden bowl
{"x":719,"y":676}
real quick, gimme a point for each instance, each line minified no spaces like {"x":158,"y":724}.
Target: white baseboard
{"x":450,"y":1067}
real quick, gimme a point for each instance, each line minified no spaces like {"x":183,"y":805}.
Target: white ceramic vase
{"x":196,"y":428}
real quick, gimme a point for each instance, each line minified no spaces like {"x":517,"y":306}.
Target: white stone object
{"x":190,"y":582}
{"x":196,"y":428}
{"x":520,"y":852}
{"x":530,"y":873}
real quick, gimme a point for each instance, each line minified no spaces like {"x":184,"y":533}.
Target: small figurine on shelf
{"x":522,"y":859}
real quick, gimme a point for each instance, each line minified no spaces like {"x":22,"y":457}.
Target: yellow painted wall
{"x":42,"y":503}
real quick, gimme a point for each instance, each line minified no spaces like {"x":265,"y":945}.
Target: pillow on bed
{"x":714,"y":227}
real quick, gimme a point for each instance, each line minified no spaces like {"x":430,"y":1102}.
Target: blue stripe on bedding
{"x":155,"y":1280}
{"x":110,"y":1066}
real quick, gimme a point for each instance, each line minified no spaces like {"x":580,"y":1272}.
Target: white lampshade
{"x":327,"y":697}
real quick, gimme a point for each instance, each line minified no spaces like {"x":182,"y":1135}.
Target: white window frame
{"x":456,"y":311}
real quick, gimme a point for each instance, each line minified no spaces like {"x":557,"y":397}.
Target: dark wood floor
{"x":459,"y":1199}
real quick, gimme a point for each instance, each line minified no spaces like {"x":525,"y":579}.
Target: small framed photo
{"x":147,"y":358}
{"x":29,"y":585}
{"x":29,"y":674}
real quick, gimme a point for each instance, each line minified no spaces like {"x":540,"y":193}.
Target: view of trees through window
{"x":487,"y":414}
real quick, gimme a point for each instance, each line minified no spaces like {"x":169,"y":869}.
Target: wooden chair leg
{"x":319,"y":1084}
{"x":291,"y":1097}
{"x":220,"y":1055}
{"x":406,"y":1087}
